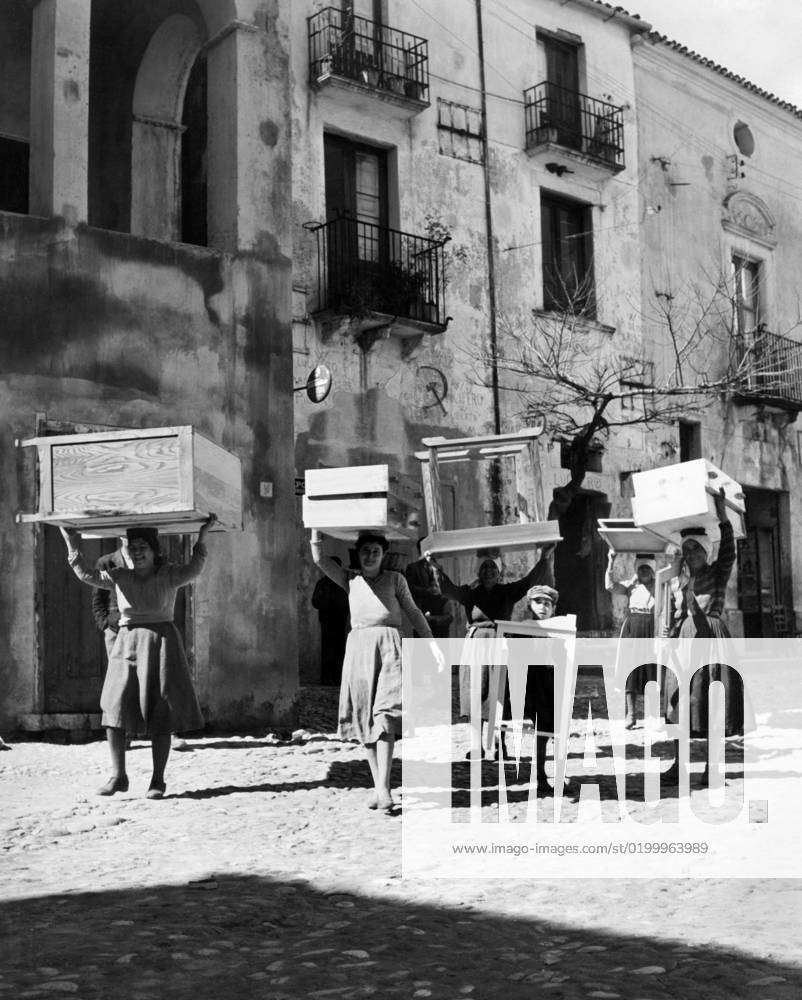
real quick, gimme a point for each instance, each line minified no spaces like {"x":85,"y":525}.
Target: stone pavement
{"x":263,"y":874}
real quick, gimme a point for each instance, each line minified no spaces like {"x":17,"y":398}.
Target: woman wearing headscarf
{"x":486,"y":601}
{"x":147,"y":686}
{"x":370,"y":693}
{"x":702,"y":588}
{"x":639,"y":622}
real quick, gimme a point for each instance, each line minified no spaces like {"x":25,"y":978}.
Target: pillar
{"x":59,"y":154}
{"x":249,"y":176}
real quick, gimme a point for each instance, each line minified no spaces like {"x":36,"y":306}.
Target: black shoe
{"x":117,"y":783}
{"x":156,"y":790}
{"x":571,"y":790}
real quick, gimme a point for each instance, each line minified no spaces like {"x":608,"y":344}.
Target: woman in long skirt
{"x":147,"y":686}
{"x":370,"y":694}
{"x":638,"y":624}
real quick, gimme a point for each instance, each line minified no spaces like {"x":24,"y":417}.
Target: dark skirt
{"x":539,"y":703}
{"x":639,"y":626}
{"x":370,"y":694}
{"x":147,"y":687}
{"x":712,"y":628}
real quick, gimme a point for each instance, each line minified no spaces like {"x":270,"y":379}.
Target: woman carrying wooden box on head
{"x":370,"y":695}
{"x":147,"y":685}
{"x":702,"y":585}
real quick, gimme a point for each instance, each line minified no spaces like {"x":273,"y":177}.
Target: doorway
{"x":579,"y":564}
{"x":562,"y":91}
{"x":764,"y":566}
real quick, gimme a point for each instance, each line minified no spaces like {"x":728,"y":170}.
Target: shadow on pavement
{"x":256,"y":937}
{"x":341,"y":774}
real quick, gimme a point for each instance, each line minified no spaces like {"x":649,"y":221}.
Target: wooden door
{"x":356,"y":208}
{"x":562,"y":77}
{"x":72,"y":648}
{"x":761,"y":594}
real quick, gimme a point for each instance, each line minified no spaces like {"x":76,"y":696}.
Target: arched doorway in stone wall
{"x":148,"y":119}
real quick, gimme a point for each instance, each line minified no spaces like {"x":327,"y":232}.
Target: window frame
{"x":567,"y":299}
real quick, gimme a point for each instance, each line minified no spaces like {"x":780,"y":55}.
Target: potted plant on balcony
{"x":402,"y":290}
{"x":394,"y":82}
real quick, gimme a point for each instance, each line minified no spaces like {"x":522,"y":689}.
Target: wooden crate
{"x":625,"y":536}
{"x":171,"y":478}
{"x":681,"y":496}
{"x":342,"y":502}
{"x":505,"y":537}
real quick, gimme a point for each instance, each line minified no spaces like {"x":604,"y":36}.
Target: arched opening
{"x":146,"y":94}
{"x":161,"y":96}
{"x":194,"y":189}
{"x":15,"y":77}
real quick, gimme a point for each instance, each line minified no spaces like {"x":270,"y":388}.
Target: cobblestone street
{"x":263,"y":874}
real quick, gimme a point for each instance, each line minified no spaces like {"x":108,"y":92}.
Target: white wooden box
{"x":681,"y":496}
{"x":504,"y":537}
{"x":171,"y":478}
{"x":624,"y":535}
{"x":342,"y":502}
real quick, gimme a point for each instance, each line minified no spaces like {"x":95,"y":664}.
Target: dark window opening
{"x":562,"y":80}
{"x":13,"y":175}
{"x":193,"y":158}
{"x":747,"y":293}
{"x":567,"y":239}
{"x":690,"y":441}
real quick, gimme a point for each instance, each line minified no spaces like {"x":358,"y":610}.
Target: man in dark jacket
{"x":425,"y":589}
{"x":331,"y":602}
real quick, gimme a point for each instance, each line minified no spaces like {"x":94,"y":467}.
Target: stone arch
{"x":218,"y":14}
{"x":158,"y":103}
{"x":747,"y":215}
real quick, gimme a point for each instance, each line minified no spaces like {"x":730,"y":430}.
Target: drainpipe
{"x":491,"y":258}
{"x":495,"y":467}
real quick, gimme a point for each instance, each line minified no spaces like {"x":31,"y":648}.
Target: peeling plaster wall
{"x":378,"y":410}
{"x":111,"y":329}
{"x":687,"y":114}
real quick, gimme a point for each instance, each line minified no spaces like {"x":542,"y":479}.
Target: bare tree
{"x":702,"y":348}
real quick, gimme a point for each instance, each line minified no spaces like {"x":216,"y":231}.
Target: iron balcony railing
{"x":771,"y":366}
{"x":364,"y":268}
{"x":342,"y":44}
{"x":567,"y":118}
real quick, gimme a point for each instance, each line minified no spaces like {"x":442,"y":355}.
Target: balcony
{"x":770,"y":367}
{"x":359,"y":62}
{"x":380,"y":277}
{"x":576,"y":131}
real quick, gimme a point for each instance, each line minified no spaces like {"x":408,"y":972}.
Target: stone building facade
{"x":202,"y":200}
{"x":540,"y":137}
{"x":145,"y":254}
{"x":719,"y":157}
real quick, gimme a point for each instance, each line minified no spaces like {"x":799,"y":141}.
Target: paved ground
{"x":263,"y":874}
